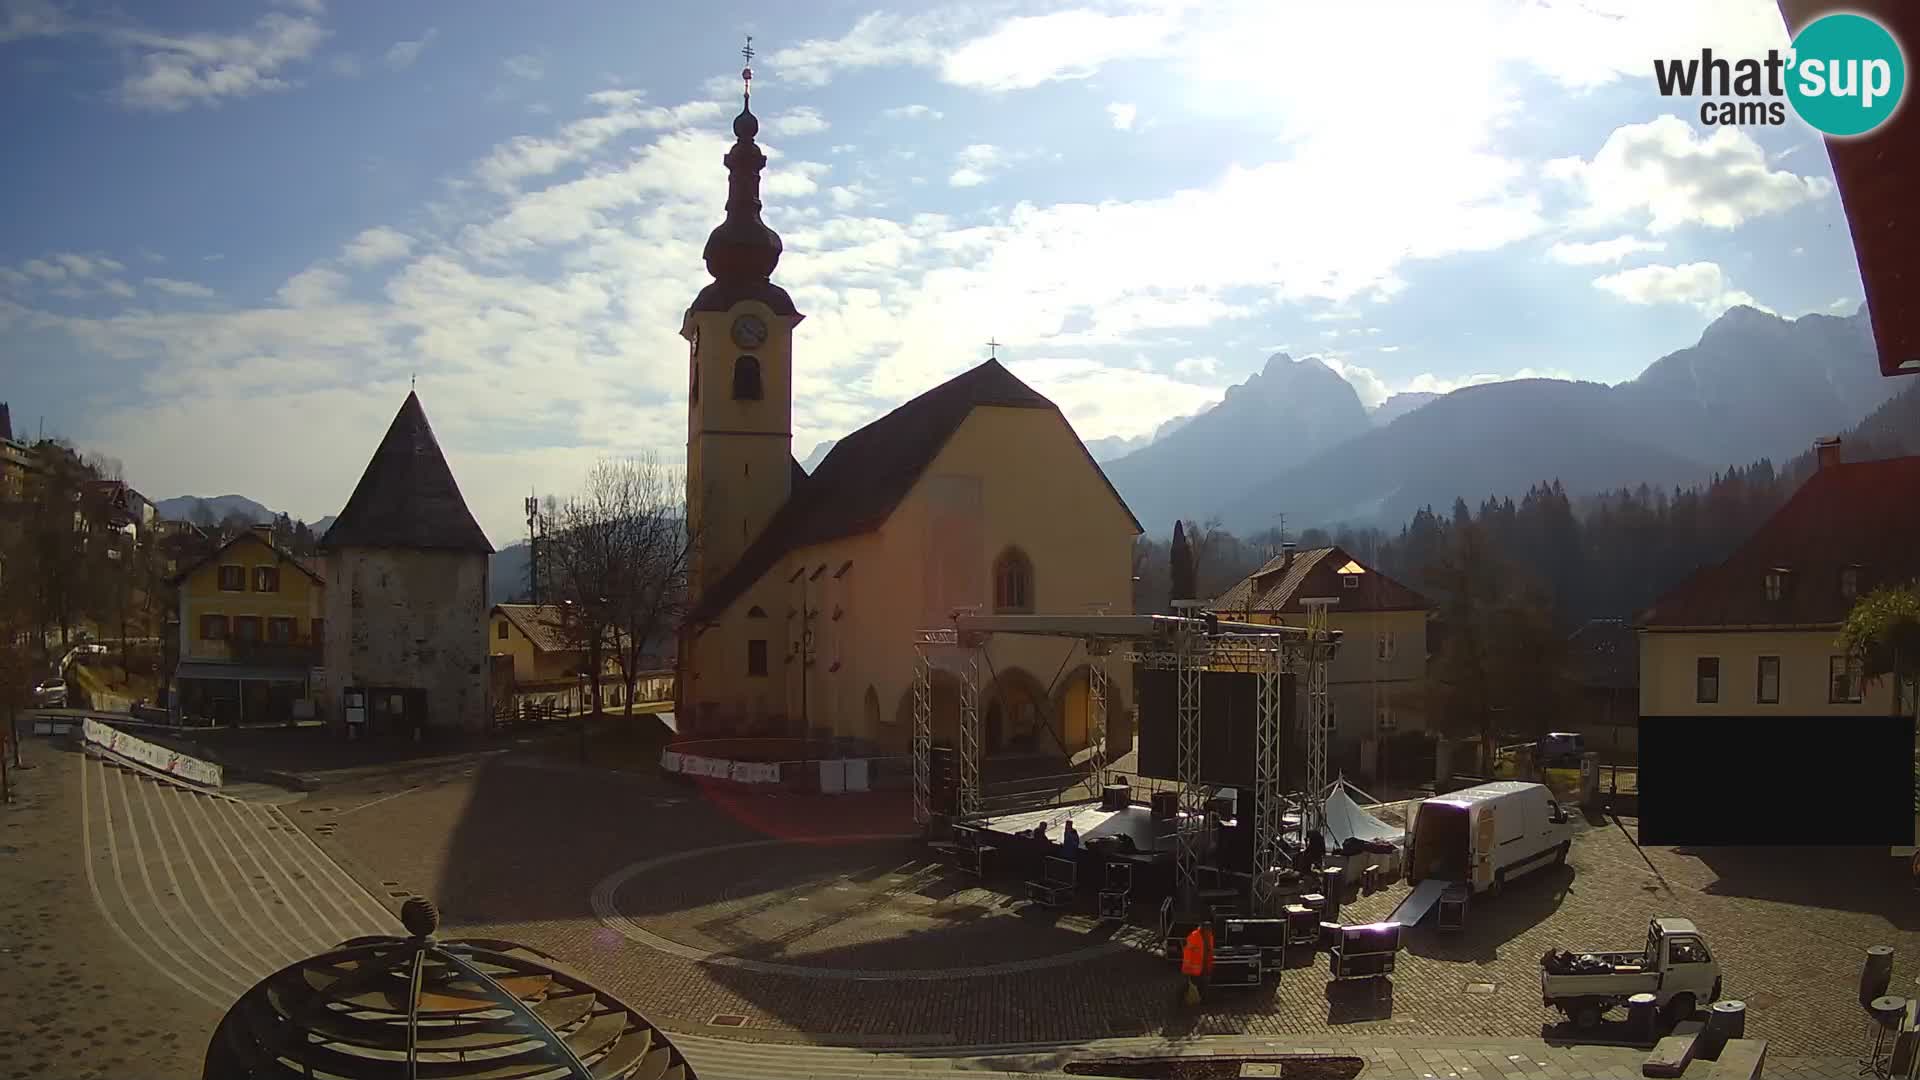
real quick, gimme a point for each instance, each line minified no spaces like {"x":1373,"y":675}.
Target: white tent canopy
{"x":1345,"y":818}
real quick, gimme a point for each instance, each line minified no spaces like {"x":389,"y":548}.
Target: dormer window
{"x":1849,"y":582}
{"x":1775,"y":583}
{"x":1350,"y":581}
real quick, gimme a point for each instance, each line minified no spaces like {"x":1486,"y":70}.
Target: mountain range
{"x":219,"y":507}
{"x":1295,"y":440}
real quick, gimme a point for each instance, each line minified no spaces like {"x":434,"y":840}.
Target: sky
{"x":237,"y":233}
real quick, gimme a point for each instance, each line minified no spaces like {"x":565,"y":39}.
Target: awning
{"x":203,"y":669}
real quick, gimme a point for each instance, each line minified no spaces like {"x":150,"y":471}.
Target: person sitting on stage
{"x":1070,"y":840}
{"x":1040,"y":831}
{"x":1126,"y":844}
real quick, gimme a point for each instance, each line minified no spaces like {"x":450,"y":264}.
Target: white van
{"x":1488,"y":834}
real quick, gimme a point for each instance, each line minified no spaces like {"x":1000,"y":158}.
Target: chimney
{"x":264,"y":531}
{"x":6,"y":423}
{"x":1826,"y":451}
{"x":1286,"y":555}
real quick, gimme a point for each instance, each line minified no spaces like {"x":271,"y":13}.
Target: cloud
{"x":1701,"y":284}
{"x":1601,"y":252}
{"x":1367,"y":384}
{"x":312,"y":288}
{"x":1027,"y":51}
{"x":345,"y":65}
{"x":1670,"y":175}
{"x":175,"y":287}
{"x":177,"y":71}
{"x":1197,"y":366}
{"x":377,"y":245}
{"x":801,"y":120}
{"x":876,"y":40}
{"x":310,"y":7}
{"x":911,"y":112}
{"x":528,"y":67}
{"x":401,"y":54}
{"x":976,"y":164}
{"x":620,"y":112}
{"x":1122,"y":116}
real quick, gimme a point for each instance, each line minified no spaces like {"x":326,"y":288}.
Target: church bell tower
{"x":739,"y":332}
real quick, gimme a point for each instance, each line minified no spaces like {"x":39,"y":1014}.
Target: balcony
{"x":262,"y":654}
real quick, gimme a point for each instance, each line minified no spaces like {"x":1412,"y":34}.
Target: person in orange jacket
{"x":1196,"y":960}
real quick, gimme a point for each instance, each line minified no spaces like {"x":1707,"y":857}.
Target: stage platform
{"x":1150,"y":836}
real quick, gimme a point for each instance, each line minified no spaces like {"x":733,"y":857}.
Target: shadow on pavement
{"x":1492,"y":921}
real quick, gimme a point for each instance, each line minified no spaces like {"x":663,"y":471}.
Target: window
{"x":1775,"y":584}
{"x":756,"y":612}
{"x":1383,"y":718}
{"x":1350,"y":581}
{"x":213,"y":628}
{"x":746,"y":379}
{"x":1706,"y":680}
{"x":1012,"y":582}
{"x":319,"y":630}
{"x":1843,"y":680}
{"x":500,"y":631}
{"x":1684,"y":951}
{"x":1768,"y":692}
{"x":246,"y":628}
{"x":757,"y":656}
{"x":280,"y":631}
{"x":233,"y":579}
{"x":1850,"y":582}
{"x":1383,"y":645}
{"x":266,"y":579}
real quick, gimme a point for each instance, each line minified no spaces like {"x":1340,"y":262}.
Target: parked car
{"x":1676,"y":967}
{"x":51,"y":694}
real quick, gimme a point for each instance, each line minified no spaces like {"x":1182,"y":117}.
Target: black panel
{"x":1801,"y":781}
{"x":1229,"y":717}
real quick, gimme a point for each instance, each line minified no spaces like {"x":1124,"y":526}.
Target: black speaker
{"x":1166,"y":805}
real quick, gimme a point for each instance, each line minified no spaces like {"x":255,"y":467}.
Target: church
{"x":805,"y":590}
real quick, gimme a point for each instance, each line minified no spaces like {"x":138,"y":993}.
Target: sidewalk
{"x":1391,"y":1059}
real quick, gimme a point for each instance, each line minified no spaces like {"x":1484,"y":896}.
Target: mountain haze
{"x":1285,"y":413}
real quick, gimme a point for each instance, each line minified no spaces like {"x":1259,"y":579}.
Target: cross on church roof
{"x":993,"y":349}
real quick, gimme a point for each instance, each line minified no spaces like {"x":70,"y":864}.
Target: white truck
{"x":1676,"y":967}
{"x":1488,"y":835}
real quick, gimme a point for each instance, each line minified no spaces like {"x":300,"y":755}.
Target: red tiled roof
{"x":1864,"y":515}
{"x":865,"y":475}
{"x":1279,"y":587}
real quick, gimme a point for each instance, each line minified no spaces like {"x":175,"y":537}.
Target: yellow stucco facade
{"x":1007,"y":479}
{"x":294,"y":602}
{"x":1377,"y":682}
{"x":1671,"y":675}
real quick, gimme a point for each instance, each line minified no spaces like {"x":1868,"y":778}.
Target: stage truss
{"x":1187,"y":645}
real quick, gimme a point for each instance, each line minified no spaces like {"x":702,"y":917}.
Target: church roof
{"x":407,"y":498}
{"x":856,"y":488}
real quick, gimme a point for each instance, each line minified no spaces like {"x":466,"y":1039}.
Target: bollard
{"x":1643,"y":1011}
{"x":1729,"y":1018}
{"x":1877,"y":974}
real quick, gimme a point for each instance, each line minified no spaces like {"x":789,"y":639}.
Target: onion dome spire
{"x":742,"y":248}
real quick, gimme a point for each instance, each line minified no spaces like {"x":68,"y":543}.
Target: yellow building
{"x":1757,"y":636}
{"x":808,"y":588}
{"x":251,"y":628}
{"x":1377,"y":681}
{"x":536,"y":664}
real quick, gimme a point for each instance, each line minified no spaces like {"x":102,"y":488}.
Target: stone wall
{"x":402,"y":618}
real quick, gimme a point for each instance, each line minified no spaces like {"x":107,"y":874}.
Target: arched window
{"x":1012,"y":582}
{"x":746,"y":379}
{"x":756,"y":612}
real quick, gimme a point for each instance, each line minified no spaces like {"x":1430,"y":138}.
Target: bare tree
{"x":616,"y":562}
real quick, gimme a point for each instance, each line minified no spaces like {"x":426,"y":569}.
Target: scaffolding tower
{"x":1189,"y":645}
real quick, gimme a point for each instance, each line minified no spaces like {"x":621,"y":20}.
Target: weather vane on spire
{"x":746,"y":73}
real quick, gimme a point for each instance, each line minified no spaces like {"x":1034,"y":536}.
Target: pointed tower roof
{"x":407,"y":498}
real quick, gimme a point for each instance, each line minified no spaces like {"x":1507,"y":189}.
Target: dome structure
{"x":415,"y":1007}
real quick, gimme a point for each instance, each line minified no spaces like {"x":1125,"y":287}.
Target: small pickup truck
{"x":1676,"y":967}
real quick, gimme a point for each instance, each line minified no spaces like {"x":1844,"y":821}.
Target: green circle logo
{"x":1848,"y":74}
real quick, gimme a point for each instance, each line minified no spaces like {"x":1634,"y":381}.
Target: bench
{"x":1740,"y":1059}
{"x":1671,"y":1054}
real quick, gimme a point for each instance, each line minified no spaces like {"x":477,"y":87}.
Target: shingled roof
{"x":1279,"y":586}
{"x":1859,"y":515}
{"x":866,"y":474}
{"x":407,"y":498}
